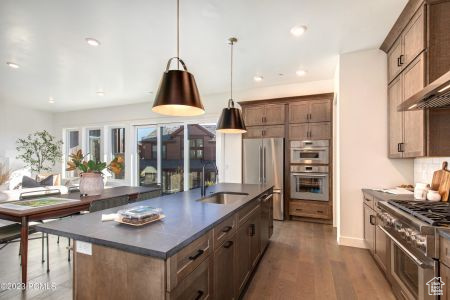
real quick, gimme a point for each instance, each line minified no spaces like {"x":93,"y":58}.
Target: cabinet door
{"x":369,"y":228}
{"x":414,"y":121}
{"x":255,"y":237}
{"x":320,"y":111}
{"x":393,"y":55}
{"x":395,"y":97}
{"x":381,"y":252}
{"x":274,"y":131}
{"x":298,"y":112}
{"x":265,"y":227}
{"x":254,"y":115}
{"x":445,"y":277}
{"x":242,"y":261}
{"x":319,"y":131}
{"x":299,"y":131}
{"x":254,"y":132}
{"x":274,"y":114}
{"x":413,"y":38}
{"x":224,"y":270}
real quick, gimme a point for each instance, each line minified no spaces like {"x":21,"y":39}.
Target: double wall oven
{"x":309,"y":170}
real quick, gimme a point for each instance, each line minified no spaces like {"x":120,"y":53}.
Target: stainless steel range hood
{"x":434,"y":95}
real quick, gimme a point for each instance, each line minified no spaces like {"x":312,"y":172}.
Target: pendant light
{"x":231,"y":120}
{"x":178,"y":94}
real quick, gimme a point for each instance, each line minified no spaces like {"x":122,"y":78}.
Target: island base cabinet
{"x":198,"y":285}
{"x":224,"y":270}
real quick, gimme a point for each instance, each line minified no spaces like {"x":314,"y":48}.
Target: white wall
{"x":17,"y":122}
{"x":363,"y":139}
{"x":230,"y":164}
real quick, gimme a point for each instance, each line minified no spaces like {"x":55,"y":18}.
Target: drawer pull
{"x":227,"y":229}
{"x":199,"y":295}
{"x":299,"y":209}
{"x":197,"y":255}
{"x":228,"y":244}
{"x":251,"y":230}
{"x":320,"y":211}
{"x":368,"y":200}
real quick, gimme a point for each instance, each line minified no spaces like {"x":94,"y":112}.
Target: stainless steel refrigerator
{"x":263,"y":162}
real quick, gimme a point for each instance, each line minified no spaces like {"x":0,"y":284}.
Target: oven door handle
{"x":403,"y":248}
{"x":309,"y":175}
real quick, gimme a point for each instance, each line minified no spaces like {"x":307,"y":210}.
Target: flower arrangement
{"x":4,"y":173}
{"x":77,"y":161}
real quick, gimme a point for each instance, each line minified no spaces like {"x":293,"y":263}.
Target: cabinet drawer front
{"x":368,"y":200}
{"x":224,"y":231}
{"x":444,"y":250}
{"x":310,"y":210}
{"x":244,"y":213}
{"x":197,"y":285}
{"x":180,"y":265}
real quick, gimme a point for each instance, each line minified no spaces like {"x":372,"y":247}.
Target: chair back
{"x":103,"y":204}
{"x":39,"y":194}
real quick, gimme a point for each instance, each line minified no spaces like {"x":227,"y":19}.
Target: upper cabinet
{"x":311,"y":111}
{"x":417,"y":54}
{"x":268,"y":114}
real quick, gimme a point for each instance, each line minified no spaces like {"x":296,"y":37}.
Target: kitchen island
{"x":201,"y":250}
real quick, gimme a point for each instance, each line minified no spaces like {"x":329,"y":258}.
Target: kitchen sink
{"x":223,"y":198}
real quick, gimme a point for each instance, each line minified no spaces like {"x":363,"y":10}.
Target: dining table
{"x":74,"y":203}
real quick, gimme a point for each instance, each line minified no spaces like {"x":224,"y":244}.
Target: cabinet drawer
{"x":368,"y":200}
{"x":224,"y":231}
{"x":444,"y":250}
{"x":310,"y":210}
{"x":181,"y":264}
{"x":244,"y":213}
{"x":198,"y":285}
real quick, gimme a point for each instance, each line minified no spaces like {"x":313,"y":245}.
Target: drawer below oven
{"x":310,"y":210}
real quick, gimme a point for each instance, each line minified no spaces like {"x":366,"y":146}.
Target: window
{"x":147,"y":150}
{"x":118,"y":148}
{"x":94,"y":145}
{"x":172,"y":162}
{"x":202,"y":151}
{"x":72,"y":146}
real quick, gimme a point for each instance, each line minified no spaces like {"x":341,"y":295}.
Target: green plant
{"x":40,"y":151}
{"x":77,"y":161}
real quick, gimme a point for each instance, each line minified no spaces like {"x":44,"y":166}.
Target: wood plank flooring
{"x":303,"y":261}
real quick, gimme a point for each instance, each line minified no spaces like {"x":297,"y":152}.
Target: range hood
{"x":434,"y":95}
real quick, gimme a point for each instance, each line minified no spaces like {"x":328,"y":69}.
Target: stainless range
{"x":414,"y":258}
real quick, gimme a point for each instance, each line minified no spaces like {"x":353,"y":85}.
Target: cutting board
{"x":444,"y":187}
{"x":437,"y":177}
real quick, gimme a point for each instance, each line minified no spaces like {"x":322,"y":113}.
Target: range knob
{"x":421,"y":242}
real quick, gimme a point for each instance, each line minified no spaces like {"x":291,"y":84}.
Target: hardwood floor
{"x":304,"y":261}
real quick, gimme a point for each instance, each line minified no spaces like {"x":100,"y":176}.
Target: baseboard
{"x":351,"y":242}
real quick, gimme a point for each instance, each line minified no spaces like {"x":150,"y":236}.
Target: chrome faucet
{"x":202,"y":178}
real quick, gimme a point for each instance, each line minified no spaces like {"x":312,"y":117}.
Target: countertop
{"x":386,"y":196}
{"x":186,"y":220}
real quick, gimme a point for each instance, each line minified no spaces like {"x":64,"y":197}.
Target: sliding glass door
{"x":172,"y":158}
{"x":147,"y":148}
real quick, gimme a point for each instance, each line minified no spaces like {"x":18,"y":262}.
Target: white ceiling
{"x":47,"y":39}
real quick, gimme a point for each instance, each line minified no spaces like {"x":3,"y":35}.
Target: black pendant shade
{"x":231,"y":121}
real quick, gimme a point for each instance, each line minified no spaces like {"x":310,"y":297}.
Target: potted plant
{"x":91,"y":177}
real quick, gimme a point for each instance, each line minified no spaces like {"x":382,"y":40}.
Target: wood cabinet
{"x":408,"y":45}
{"x":310,"y":111}
{"x":310,"y":131}
{"x":267,"y":114}
{"x":381,"y":251}
{"x":272,"y":131}
{"x":407,"y":129}
{"x":445,"y":277}
{"x":224,"y":270}
{"x":266,"y":221}
{"x":309,"y":210}
{"x":369,"y":228}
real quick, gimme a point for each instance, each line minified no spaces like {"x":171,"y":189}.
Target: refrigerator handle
{"x":260,"y":164}
{"x":264,"y":164}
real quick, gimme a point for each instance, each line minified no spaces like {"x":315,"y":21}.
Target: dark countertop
{"x":186,"y":220}
{"x":386,"y":196}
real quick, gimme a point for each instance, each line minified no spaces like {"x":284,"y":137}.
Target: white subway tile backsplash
{"x":425,"y":167}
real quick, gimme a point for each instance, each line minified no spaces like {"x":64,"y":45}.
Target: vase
{"x":91,"y":184}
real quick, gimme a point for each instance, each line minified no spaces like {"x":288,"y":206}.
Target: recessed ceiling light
{"x":51,"y":100}
{"x":13,"y":65}
{"x":258,"y":78}
{"x":300,"y":72}
{"x":101,"y":93}
{"x":298,"y":30}
{"x":92,"y":42}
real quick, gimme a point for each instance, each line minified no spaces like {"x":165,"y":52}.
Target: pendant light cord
{"x":230,"y":102}
{"x":178,"y":34}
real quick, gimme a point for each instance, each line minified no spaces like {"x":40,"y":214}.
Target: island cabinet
{"x":215,"y":265}
{"x":444,"y":266}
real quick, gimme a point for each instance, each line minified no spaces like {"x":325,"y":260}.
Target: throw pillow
{"x":28,"y":182}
